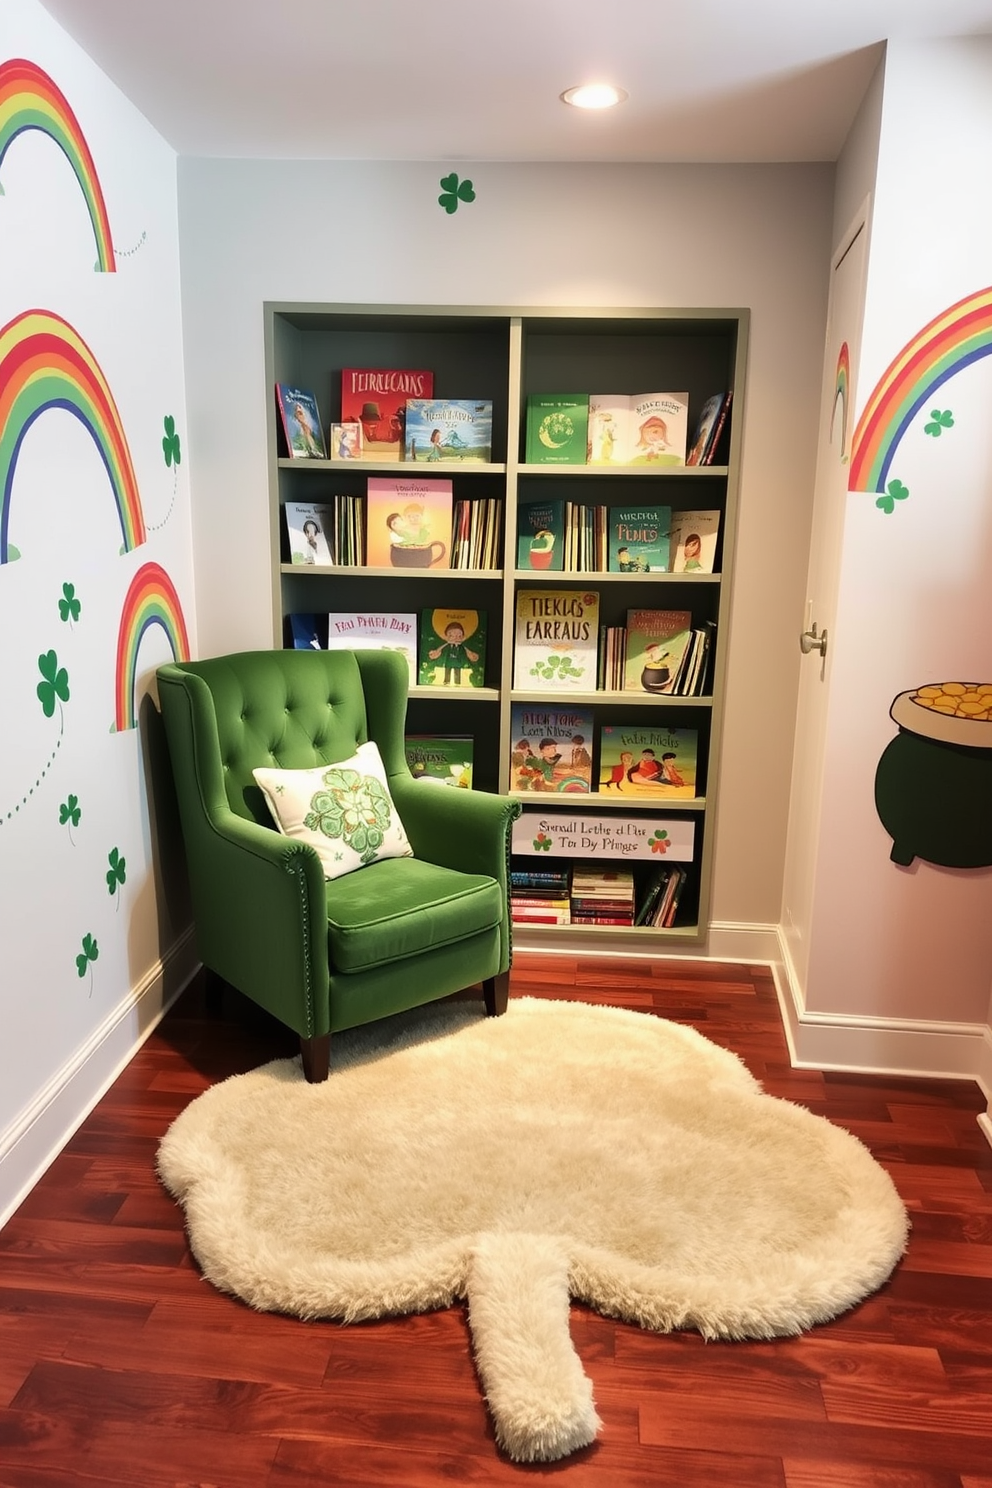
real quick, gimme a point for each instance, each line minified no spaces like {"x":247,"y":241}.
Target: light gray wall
{"x":625,"y":236}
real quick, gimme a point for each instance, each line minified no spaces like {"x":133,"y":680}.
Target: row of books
{"x":575,"y":537}
{"x":443,"y":647}
{"x":617,"y":429}
{"x":558,"y":645}
{"x":560,"y":751}
{"x":400,"y":524}
{"x":387,"y":414}
{"x":586,"y":895}
{"x":689,"y":671}
{"x":390,"y":413}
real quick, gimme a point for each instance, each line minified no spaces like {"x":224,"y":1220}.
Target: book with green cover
{"x":452,"y":648}
{"x":540,"y":535}
{"x":557,"y":427}
{"x":638,"y":539}
{"x":445,"y":758}
{"x":657,"y":641}
{"x":639,"y":761}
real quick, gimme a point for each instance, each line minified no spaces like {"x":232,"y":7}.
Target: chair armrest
{"x":468,"y":830}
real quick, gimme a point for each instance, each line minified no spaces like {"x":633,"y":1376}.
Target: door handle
{"x":811,"y":640}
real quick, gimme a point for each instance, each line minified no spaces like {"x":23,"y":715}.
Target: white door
{"x":840,"y":361}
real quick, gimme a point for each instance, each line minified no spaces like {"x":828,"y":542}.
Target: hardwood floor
{"x":120,"y":1366}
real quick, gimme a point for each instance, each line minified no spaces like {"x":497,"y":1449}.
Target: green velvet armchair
{"x":323,"y":955}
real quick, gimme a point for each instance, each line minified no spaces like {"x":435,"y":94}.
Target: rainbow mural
{"x":29,"y":99}
{"x":45,"y":364}
{"x":842,"y":395}
{"x":960,"y":335}
{"x":151,"y":599}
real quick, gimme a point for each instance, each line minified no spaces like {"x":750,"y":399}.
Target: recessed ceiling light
{"x":593,"y":96}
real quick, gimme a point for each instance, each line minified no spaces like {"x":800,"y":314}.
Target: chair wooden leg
{"x":495,"y":992}
{"x":316,"y":1053}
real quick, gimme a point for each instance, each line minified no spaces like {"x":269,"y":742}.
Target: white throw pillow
{"x":343,"y":810}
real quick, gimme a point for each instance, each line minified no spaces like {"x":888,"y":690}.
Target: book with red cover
{"x":376,"y":398}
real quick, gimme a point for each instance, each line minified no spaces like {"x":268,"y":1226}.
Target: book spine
{"x":716,"y":431}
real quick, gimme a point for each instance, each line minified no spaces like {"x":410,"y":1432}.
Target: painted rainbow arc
{"x":842,"y":394}
{"x":30,"y":99}
{"x":958,"y":336}
{"x":151,"y":599}
{"x":45,"y":363}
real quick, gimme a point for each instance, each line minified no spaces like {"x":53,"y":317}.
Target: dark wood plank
{"x":121,"y":1368}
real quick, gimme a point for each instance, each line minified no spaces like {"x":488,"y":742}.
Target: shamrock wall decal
{"x":69,"y":814}
{"x":894,"y":491}
{"x":170,"y":442}
{"x":116,"y":874}
{"x":54,"y":683}
{"x":453,"y":191}
{"x":69,"y":606}
{"x":90,"y":953}
{"x":939,"y":419}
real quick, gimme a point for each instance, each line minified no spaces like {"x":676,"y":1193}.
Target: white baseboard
{"x":826,"y":1041}
{"x":33,"y":1141}
{"x":889,"y":1046}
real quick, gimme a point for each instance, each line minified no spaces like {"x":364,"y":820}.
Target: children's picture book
{"x":308,"y":528}
{"x":557,"y":427}
{"x":452,"y":648}
{"x":693,"y":541}
{"x":709,"y":428}
{"x":638,"y":538}
{"x":376,"y":398}
{"x":408,"y":523}
{"x":345,"y":441}
{"x":444,"y":759}
{"x":657,"y":641}
{"x":300,"y":421}
{"x":608,"y":440}
{"x":371,"y":630}
{"x":540,"y":535}
{"x":304,"y":633}
{"x":556,"y":640}
{"x":658,"y":428}
{"x":638,"y":761}
{"x":551,"y":749}
{"x":637,"y":428}
{"x":454,"y":430}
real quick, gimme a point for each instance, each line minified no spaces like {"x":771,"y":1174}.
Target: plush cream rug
{"x":559,"y":1151}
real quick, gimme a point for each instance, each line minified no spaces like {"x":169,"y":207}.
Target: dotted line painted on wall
{"x":130,"y":252}
{"x":24,"y":799}
{"x":157,"y":526}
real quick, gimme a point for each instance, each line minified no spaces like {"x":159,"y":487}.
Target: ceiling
{"x":709,"y":80}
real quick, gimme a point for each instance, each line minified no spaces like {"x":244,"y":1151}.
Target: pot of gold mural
{"x":933,"y":784}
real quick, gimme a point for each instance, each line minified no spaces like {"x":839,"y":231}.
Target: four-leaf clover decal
{"x":54,"y":683}
{"x":170,"y":442}
{"x":454,"y":191}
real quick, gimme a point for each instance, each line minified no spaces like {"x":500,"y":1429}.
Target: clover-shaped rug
{"x":559,"y":1151}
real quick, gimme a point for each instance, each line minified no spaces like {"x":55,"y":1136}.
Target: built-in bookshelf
{"x":508,"y":356}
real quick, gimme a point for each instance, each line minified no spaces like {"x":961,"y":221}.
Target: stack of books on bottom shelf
{"x":602,"y":896}
{"x":661,"y":897}
{"x":539,"y":896}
